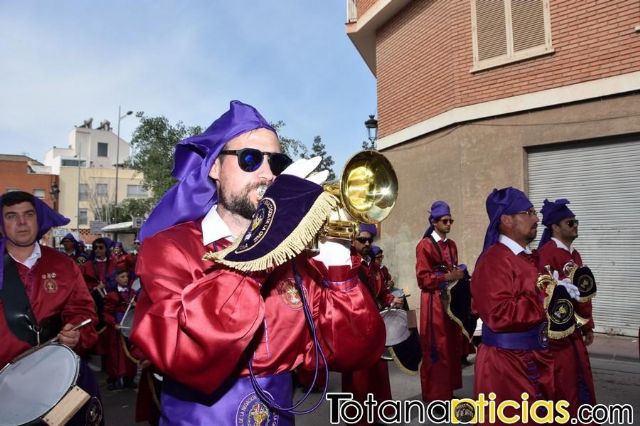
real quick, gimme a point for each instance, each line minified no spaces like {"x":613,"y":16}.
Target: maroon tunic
{"x":441,"y":369}
{"x":119,"y":365}
{"x":54,"y":286}
{"x":572,"y":372}
{"x":198,"y":323}
{"x":505,"y":295}
{"x":374,"y":379}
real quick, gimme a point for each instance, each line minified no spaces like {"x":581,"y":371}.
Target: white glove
{"x":304,"y":167}
{"x":573,"y":291}
{"x":334,"y":252}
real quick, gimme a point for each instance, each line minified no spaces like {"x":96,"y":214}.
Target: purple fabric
{"x":47,"y":219}
{"x":195,"y":192}
{"x":375,"y":250}
{"x":438,"y":209}
{"x":502,"y":201}
{"x":234,"y":404}
{"x":530,"y":340}
{"x":368,"y":227}
{"x":552,"y":213}
{"x":284,"y":205}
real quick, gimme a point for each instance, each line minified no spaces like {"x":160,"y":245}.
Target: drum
{"x":32,"y":385}
{"x":395,"y":322}
{"x":127,"y":322}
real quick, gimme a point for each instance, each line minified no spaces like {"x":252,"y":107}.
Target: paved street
{"x":617,"y":380}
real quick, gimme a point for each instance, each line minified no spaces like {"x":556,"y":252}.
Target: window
{"x":70,"y":162}
{"x":102,"y":189}
{"x":39,"y":193}
{"x":506,"y":31}
{"x":136,"y":191}
{"x":83,"y":217}
{"x":103,"y":149}
{"x":83,"y":192}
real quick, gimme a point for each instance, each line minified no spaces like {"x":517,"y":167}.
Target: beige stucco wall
{"x":68,"y":198}
{"x":462,"y":164}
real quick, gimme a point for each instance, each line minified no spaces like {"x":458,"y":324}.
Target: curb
{"x":613,"y":356}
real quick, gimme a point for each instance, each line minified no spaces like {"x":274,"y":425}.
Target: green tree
{"x":369,"y":145}
{"x":292,"y":147}
{"x":153,"y":144}
{"x":127,"y":209}
{"x":318,"y":148}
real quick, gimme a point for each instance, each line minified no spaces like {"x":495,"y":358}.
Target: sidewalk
{"x":622,"y":348}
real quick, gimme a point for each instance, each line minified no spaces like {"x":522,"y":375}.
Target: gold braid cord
{"x":571,"y":277}
{"x":401,"y":367}
{"x":291,"y":246}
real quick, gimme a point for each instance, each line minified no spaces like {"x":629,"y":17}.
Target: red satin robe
{"x":374,"y":379}
{"x":573,"y":376}
{"x":124,"y":261}
{"x":95,"y":272}
{"x":441,"y":369}
{"x":118,"y":364}
{"x":198,"y":322}
{"x":505,"y":295}
{"x":63,"y":293}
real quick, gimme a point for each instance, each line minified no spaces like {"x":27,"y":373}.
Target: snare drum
{"x":127,"y":322}
{"x":395,"y":322}
{"x":31,"y":386}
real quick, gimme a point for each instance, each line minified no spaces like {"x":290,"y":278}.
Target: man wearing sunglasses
{"x":212,"y":330}
{"x":440,"y":337}
{"x":572,"y":372}
{"x":514,"y":357}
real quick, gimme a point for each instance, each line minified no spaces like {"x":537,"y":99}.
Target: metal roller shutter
{"x":602,"y":182}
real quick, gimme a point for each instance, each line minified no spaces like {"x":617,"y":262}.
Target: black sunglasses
{"x":250,"y":159}
{"x":447,"y":221}
{"x":364,"y":240}
{"x":572,"y":222}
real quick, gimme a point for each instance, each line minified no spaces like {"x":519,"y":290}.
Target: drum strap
{"x":17,"y":308}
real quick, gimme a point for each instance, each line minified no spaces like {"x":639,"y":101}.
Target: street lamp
{"x":372,"y":130}
{"x":120,"y":117}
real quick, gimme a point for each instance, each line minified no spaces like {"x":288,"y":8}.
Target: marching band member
{"x":572,"y":372}
{"x":221,"y":336}
{"x":374,"y":379}
{"x":42,"y":292}
{"x":121,"y":370}
{"x":440,"y":336}
{"x":514,"y":356}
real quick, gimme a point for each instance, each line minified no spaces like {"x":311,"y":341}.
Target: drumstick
{"x":50,"y":341}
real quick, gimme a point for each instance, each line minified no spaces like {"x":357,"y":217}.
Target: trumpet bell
{"x":369,"y":187}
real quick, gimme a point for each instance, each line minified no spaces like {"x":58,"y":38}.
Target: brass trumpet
{"x":367,"y":191}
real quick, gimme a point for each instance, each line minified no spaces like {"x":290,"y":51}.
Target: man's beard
{"x":239,"y":204}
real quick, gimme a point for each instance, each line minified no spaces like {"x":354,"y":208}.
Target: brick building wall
{"x":16,"y":175}
{"x":364,"y":5}
{"x":424,"y":56}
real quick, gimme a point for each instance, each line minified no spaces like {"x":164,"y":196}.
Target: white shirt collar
{"x":513,"y":246}
{"x":437,"y":237}
{"x":214,"y":228}
{"x":33,"y":258}
{"x":561,"y":245}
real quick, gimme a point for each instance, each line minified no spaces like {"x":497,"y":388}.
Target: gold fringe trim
{"x":586,"y":298}
{"x":452,"y":316}
{"x":291,"y":246}
{"x":548,"y":284}
{"x":401,"y":367}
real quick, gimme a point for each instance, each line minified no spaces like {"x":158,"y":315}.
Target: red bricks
{"x":424,"y":57}
{"x":15,"y":174}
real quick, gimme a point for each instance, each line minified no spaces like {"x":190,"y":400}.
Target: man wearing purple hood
{"x":440,"y":337}
{"x":42,"y":293}
{"x":514,"y":356}
{"x":226,"y":340}
{"x":573,"y":376}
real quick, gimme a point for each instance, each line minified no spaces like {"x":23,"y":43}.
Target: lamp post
{"x":78,"y":201}
{"x":372,"y":130}
{"x":120,"y":117}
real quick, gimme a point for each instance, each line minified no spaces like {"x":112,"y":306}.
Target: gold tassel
{"x":291,"y":246}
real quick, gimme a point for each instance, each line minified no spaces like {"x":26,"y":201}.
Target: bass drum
{"x":402,"y":342}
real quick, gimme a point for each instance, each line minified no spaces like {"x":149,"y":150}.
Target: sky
{"x":65,"y":61}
